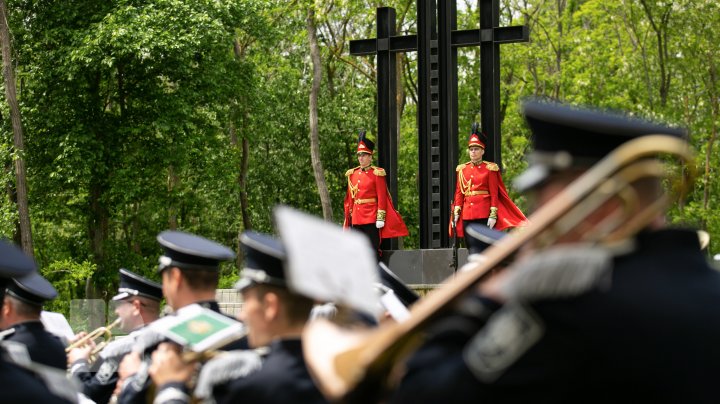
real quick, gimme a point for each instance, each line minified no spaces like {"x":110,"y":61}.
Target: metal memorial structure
{"x":436,"y":42}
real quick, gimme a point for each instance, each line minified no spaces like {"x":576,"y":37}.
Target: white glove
{"x":491,"y":222}
{"x":456,"y":218}
{"x":380,"y":224}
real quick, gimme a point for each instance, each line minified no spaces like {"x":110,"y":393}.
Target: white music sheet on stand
{"x":57,"y":324}
{"x":327,"y":263}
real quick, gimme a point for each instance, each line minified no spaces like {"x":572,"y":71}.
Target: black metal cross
{"x":489,"y":37}
{"x":437,"y":45}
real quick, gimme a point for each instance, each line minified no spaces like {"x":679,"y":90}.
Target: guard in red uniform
{"x":368,"y":205}
{"x":480,"y":194}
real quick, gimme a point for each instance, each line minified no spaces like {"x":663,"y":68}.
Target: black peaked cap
{"x":264,"y":260}
{"x":132,"y":284}
{"x":189,"y":251}
{"x":14,"y":262}
{"x":565,"y":136}
{"x":406,"y":295}
{"x":481,"y":237}
{"x":32,"y":289}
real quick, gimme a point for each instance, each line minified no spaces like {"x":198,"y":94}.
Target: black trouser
{"x":465,"y":225}
{"x":373,"y":234}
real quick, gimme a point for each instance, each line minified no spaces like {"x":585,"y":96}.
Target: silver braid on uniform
{"x":561,"y":271}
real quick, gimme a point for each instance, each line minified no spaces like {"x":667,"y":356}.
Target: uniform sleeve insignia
{"x":7,"y":333}
{"x":350,"y":171}
{"x":380,"y":172}
{"x":509,"y":333}
{"x":492,"y":166}
{"x":460,"y":167}
{"x":106,"y":371}
{"x":559,"y":272}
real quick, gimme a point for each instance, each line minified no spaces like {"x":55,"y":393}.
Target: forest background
{"x":125,"y":118}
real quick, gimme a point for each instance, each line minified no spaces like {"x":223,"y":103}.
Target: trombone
{"x":104,"y":332}
{"x":362,"y":368}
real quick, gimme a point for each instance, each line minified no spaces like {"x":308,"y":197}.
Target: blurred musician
{"x":630,"y":321}
{"x":138,"y":304}
{"x":25,"y":381}
{"x":24,"y":298}
{"x":190,"y":272}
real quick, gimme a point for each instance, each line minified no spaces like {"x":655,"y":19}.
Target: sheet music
{"x":326,"y":262}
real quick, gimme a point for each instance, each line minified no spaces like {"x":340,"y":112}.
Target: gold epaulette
{"x":380,"y":172}
{"x":350,"y":171}
{"x":460,"y":166}
{"x":492,"y":166}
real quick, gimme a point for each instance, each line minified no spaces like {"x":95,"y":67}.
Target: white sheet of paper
{"x":327,"y":263}
{"x":394,"y":306}
{"x":57,"y":324}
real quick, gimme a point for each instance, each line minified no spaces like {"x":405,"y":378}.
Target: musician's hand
{"x":167,"y":365}
{"x":129,"y":365}
{"x":82,"y":352}
{"x":491,"y":222}
{"x":380,"y":224}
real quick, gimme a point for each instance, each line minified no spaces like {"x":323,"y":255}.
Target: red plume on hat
{"x":365,"y":145}
{"x":477,"y":138}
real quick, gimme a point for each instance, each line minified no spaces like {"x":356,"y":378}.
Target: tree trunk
{"x":20,"y":171}
{"x":715,"y":110}
{"x":172,"y":184}
{"x":314,"y":141}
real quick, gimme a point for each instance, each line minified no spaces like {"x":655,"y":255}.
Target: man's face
{"x":476,"y":153}
{"x":364,"y":159}
{"x":129,"y":314}
{"x":255,"y":315}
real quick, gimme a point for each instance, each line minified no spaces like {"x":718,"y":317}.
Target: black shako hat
{"x":31,"y":289}
{"x":189,"y":251}
{"x":389,"y":280}
{"x":481,"y":237}
{"x":14,"y":262}
{"x":132,"y":284}
{"x":365,"y":145}
{"x":264,"y":261}
{"x":565,"y":136}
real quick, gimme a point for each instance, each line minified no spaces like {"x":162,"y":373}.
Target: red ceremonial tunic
{"x":480,"y":187}
{"x":367,"y":200}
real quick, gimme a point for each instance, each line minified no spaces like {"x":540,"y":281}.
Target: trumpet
{"x":100,"y":332}
{"x":357,"y":366}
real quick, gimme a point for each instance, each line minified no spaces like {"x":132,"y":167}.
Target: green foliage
{"x":68,"y":277}
{"x":135,"y":112}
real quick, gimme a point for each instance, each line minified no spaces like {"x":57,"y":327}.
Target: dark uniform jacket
{"x":20,"y":385}
{"x":136,"y":388}
{"x":283,"y":378}
{"x":100,"y":378}
{"x":43,"y":347}
{"x":644,"y":330}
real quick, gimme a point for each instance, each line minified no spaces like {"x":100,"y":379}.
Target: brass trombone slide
{"x":360,"y":369}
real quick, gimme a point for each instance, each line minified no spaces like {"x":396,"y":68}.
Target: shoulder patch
{"x":492,"y":166}
{"x":509,"y":333}
{"x":380,"y":172}
{"x":350,"y":171}
{"x":106,"y":371}
{"x":460,"y":167}
{"x":562,"y":271}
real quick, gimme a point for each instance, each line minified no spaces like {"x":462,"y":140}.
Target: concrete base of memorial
{"x":423,"y":269}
